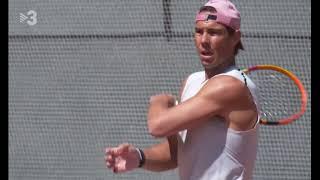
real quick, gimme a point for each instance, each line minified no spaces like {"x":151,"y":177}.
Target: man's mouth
{"x":206,"y":53}
{"x":206,"y":57}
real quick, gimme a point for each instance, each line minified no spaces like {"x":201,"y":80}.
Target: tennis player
{"x":212,"y":134}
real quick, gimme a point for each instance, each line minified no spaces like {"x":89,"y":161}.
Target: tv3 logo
{"x":31,"y":17}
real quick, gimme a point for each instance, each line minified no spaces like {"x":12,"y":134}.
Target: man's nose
{"x":205,"y":38}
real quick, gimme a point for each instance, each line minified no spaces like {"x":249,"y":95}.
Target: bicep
{"x":189,"y":113}
{"x":214,"y":99}
{"x":195,"y":110}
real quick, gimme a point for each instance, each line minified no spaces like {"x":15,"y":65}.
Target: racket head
{"x":282,"y":95}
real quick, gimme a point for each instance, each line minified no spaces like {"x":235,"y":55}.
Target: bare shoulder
{"x":224,"y":87}
{"x":235,"y":100}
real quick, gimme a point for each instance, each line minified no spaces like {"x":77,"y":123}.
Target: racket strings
{"x":279,"y":97}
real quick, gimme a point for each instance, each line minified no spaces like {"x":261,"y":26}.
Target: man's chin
{"x":206,"y":62}
{"x":208,"y":66}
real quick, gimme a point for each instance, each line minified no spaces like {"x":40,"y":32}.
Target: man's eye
{"x":198,"y":31}
{"x":212,"y":32}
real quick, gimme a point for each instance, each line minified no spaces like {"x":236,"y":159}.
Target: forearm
{"x":158,"y":105}
{"x":162,"y":156}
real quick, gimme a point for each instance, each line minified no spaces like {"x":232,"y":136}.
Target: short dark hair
{"x":238,"y":45}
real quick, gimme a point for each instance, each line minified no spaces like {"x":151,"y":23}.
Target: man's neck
{"x":218,"y":70}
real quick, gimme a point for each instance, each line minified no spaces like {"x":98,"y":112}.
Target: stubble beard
{"x":214,"y":69}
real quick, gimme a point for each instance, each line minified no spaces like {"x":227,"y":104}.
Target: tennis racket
{"x":283,"y":97}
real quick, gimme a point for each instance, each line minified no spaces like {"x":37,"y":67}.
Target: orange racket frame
{"x":303,"y":93}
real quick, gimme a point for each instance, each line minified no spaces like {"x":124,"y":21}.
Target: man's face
{"x":214,"y":45}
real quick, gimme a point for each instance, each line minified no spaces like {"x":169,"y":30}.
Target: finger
{"x":114,"y":169}
{"x":123,"y":148}
{"x":110,"y":165}
{"x":111,"y":151}
{"x":107,"y":151}
{"x":109,"y":158}
{"x":119,"y":168}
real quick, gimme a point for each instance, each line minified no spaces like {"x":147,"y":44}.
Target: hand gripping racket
{"x":283,"y":97}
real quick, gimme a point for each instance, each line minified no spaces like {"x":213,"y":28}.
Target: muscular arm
{"x":222,"y":96}
{"x":159,"y":157}
{"x":162,"y":156}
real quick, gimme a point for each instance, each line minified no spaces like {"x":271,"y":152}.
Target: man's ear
{"x":236,"y":37}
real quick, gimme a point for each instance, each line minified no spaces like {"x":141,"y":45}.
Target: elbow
{"x":156,"y":130}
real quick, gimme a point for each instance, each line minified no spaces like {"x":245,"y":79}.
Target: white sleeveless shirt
{"x":213,"y":151}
